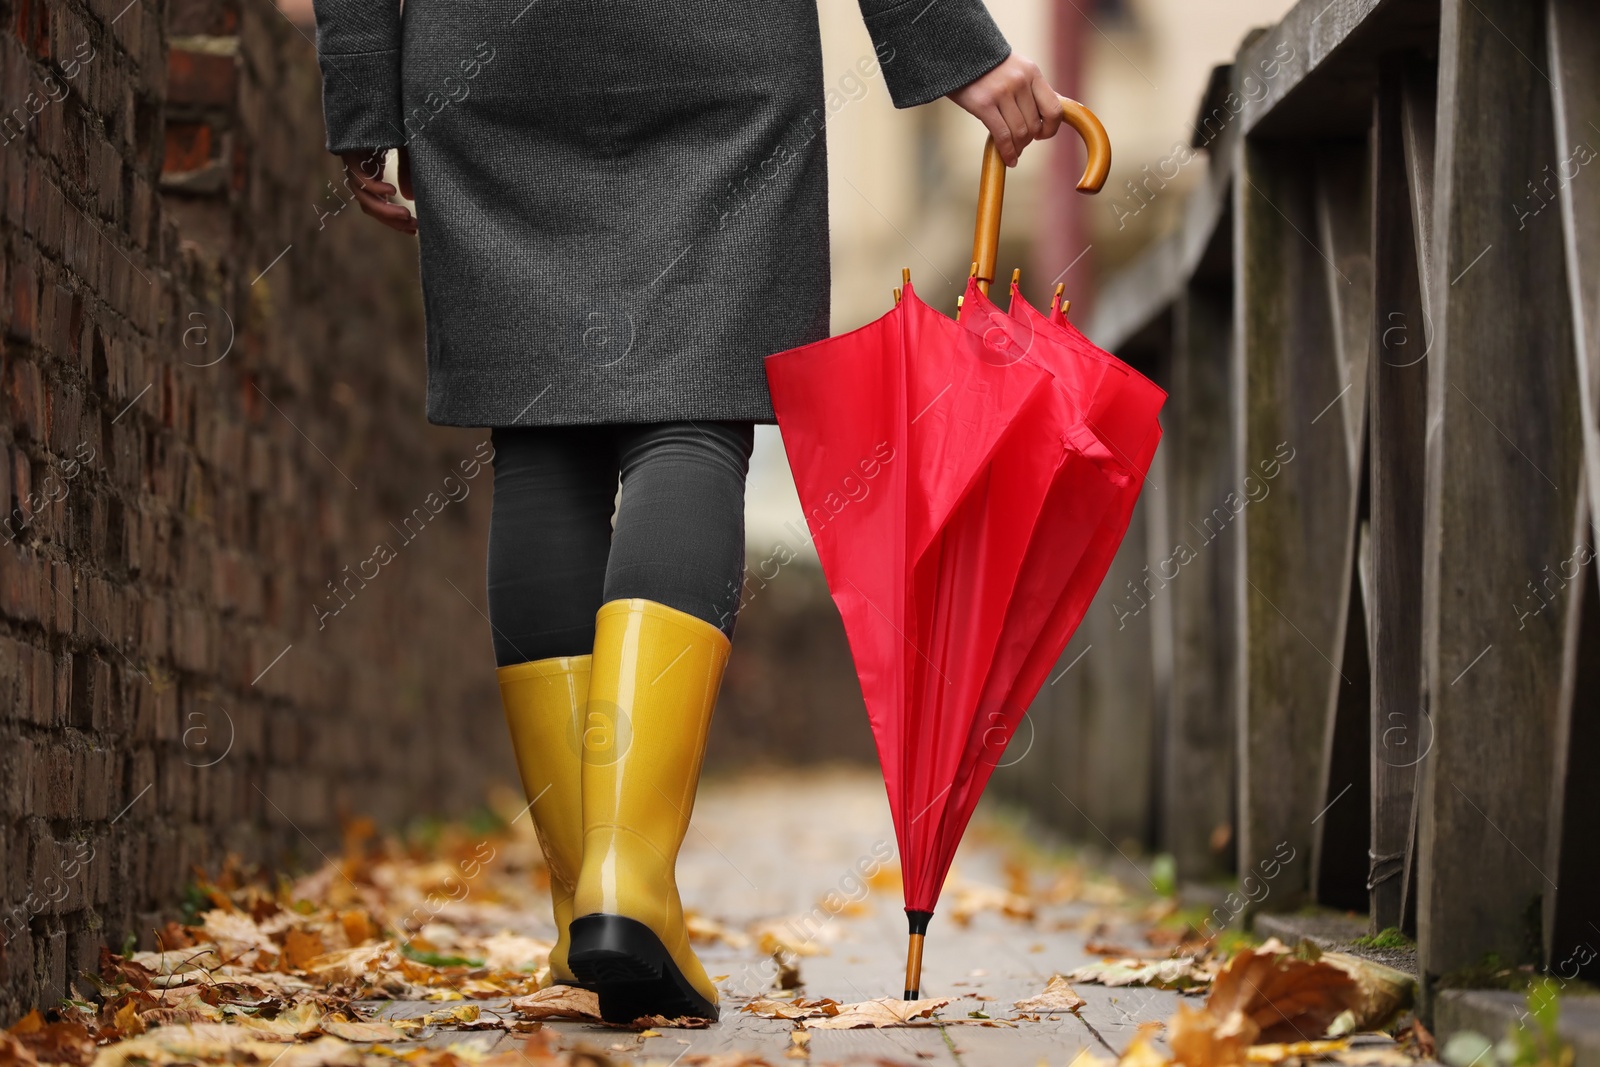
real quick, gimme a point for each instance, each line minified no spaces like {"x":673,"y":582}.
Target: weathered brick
{"x":24,"y":299}
{"x":192,"y":539}
{"x":201,"y":79}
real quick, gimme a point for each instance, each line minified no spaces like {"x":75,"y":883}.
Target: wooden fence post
{"x":1198,"y":776}
{"x":1401,"y":734}
{"x":1293,"y":511}
{"x":1503,"y":468}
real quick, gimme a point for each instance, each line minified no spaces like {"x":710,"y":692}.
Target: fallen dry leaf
{"x":57,"y":1042}
{"x":1182,"y":972}
{"x":707,"y":931}
{"x":784,"y":937}
{"x":378,"y":1031}
{"x":972,"y":899}
{"x":1288,"y":998}
{"x":1057,"y":996}
{"x":682,"y":1022}
{"x":457,"y":1016}
{"x":1087,"y":1058}
{"x":1418,"y":1037}
{"x":559,"y":1002}
{"x":126,"y":1020}
{"x":1383,"y":992}
{"x":506,"y":951}
{"x":13,"y":1053}
{"x":726,"y":1059}
{"x":1201,"y":1039}
{"x":879,"y":1013}
{"x":300,"y":947}
{"x":768,"y":1008}
{"x":1296,"y":1050}
{"x":1141,"y":1052}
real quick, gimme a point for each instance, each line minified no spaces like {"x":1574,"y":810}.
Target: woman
{"x":622,"y":209}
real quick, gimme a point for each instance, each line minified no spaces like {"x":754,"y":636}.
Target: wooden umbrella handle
{"x":992,"y":184}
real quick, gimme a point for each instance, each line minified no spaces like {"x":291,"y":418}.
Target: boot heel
{"x":623,"y":961}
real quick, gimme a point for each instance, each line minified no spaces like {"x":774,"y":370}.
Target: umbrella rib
{"x":897,"y":630}
{"x":1132,"y":466}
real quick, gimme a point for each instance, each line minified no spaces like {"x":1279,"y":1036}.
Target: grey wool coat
{"x":622,"y":206}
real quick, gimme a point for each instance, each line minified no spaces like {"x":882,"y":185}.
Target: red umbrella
{"x":935,"y":460}
{"x":1079,"y":529}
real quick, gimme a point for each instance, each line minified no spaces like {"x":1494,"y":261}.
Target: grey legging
{"x":554,"y":558}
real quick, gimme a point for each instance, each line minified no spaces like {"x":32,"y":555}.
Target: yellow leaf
{"x":300,"y":947}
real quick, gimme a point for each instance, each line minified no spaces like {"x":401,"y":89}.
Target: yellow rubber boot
{"x":544,"y":702}
{"x":654,"y":683}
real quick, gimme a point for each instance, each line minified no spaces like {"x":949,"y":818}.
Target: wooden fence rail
{"x":1354,"y":621}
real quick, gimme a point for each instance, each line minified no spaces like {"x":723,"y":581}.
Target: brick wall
{"x":211,"y":410}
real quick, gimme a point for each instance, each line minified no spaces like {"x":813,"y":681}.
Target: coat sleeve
{"x":932,"y":47}
{"x":358,"y":48}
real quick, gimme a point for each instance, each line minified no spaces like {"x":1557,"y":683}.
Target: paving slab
{"x":774,"y":846}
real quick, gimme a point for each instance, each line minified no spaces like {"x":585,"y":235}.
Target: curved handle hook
{"x":992,"y":184}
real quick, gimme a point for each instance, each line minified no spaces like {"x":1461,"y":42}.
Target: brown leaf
{"x":879,"y":1013}
{"x":1201,"y":1039}
{"x":300,"y":947}
{"x":1140,"y":1051}
{"x":378,"y":1030}
{"x":559,"y":1002}
{"x":682,"y":1022}
{"x":768,"y":1008}
{"x":58,"y":1042}
{"x":1057,"y":996}
{"x":1418,"y":1036}
{"x":1287,"y":998}
{"x":13,"y":1053}
{"x":358,"y":926}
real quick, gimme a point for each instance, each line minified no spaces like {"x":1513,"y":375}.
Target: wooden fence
{"x":1354,"y":621}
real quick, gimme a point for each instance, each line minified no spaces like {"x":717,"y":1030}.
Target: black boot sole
{"x":626,"y":964}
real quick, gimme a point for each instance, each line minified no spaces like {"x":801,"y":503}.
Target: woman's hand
{"x":365,"y":172}
{"x":1015,"y":102}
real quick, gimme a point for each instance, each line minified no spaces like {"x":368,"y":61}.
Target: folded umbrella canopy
{"x":960,"y":497}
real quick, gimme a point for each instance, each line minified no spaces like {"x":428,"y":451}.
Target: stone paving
{"x":774,"y":846}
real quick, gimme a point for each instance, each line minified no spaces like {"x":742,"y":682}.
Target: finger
{"x":1049,"y":105}
{"x":1028,"y":108}
{"x":381,"y":209}
{"x":367,"y":171}
{"x":1000,"y":130}
{"x":376,"y":186}
{"x":1021,"y":135}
